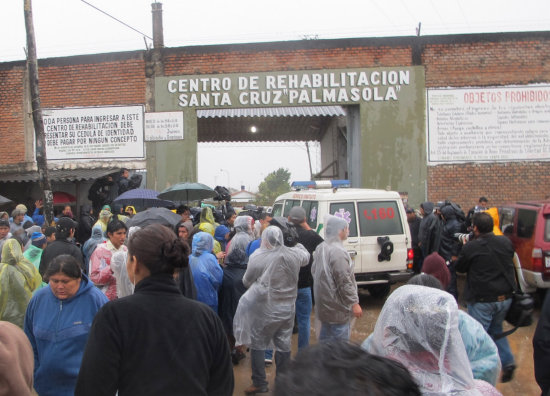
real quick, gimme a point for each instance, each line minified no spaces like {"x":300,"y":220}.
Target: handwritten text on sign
{"x":488,"y":124}
{"x":94,"y":132}
{"x":164,"y":126}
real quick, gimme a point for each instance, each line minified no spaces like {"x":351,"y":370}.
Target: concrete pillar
{"x":158,"y":31}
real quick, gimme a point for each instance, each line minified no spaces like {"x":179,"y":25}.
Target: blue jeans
{"x":282,"y":360}
{"x":303,"y":314}
{"x":491,"y":315}
{"x":335,"y":331}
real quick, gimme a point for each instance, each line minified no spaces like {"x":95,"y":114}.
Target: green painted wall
{"x":392,"y":135}
{"x":171,"y":162}
{"x":394,"y":142}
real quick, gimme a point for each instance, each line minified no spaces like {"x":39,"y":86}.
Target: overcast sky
{"x":71,"y":27}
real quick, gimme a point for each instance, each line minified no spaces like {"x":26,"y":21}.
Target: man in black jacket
{"x":310,"y":239}
{"x":541,"y":348}
{"x":64,"y":229}
{"x":490,"y":281}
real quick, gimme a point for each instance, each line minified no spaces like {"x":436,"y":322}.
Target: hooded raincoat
{"x":265,"y":315}
{"x":58,"y":331}
{"x":334,"y":284}
{"x":90,"y":245}
{"x":235,"y":262}
{"x":418,"y":327}
{"x":206,"y":271}
{"x":18,"y":279}
{"x":208,"y":224}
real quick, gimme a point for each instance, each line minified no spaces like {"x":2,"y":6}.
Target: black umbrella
{"x":142,"y":198}
{"x":187,"y":192}
{"x":4,"y":200}
{"x":153,"y":216}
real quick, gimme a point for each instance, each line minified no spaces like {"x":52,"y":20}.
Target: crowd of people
{"x":160,"y":310}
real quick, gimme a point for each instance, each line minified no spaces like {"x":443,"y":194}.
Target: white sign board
{"x":164,"y":126}
{"x":488,"y":124}
{"x":94,"y":132}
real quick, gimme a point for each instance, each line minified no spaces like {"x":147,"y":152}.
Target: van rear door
{"x":382,"y":219}
{"x":347,"y":211}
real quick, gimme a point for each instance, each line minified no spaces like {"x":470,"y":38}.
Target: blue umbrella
{"x":142,"y":198}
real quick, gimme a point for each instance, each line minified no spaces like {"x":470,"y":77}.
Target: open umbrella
{"x":187,"y":192}
{"x":4,"y":200}
{"x":62,"y":198}
{"x":142,"y":198}
{"x":154,"y":215}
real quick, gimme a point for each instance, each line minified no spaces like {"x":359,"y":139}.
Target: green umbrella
{"x":187,"y":192}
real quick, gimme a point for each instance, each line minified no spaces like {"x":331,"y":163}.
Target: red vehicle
{"x":527,"y":224}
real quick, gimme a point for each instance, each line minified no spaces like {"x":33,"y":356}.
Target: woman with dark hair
{"x":58,"y":321}
{"x":156,"y":342}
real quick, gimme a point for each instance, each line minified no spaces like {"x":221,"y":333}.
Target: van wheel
{"x":379,"y":291}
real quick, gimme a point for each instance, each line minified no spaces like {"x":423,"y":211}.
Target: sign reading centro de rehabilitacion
{"x":94,"y":132}
{"x":488,"y":124}
{"x":290,"y":88}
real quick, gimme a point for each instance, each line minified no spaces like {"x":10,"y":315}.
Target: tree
{"x":274,"y":184}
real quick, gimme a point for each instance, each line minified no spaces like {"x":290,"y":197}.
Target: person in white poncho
{"x":265,"y":314}
{"x":334,"y":287}
{"x":418,"y":327}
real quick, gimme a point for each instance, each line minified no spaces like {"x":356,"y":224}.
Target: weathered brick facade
{"x":449,"y":61}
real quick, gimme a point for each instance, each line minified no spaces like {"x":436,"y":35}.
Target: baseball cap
{"x":4,"y":223}
{"x":297,"y":213}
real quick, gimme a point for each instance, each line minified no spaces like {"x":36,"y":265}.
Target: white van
{"x":379,"y":241}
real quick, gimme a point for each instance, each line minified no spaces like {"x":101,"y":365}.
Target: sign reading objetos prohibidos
{"x":94,"y":132}
{"x":488,"y":124}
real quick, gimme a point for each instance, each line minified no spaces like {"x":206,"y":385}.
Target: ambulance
{"x":379,"y":241}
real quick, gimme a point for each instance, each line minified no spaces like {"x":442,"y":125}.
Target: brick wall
{"x":449,"y":61}
{"x":243,"y":61}
{"x":499,"y":182}
{"x":12,"y":140}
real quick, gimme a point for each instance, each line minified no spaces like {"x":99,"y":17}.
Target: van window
{"x":526,"y":222}
{"x":546,"y":229}
{"x":289,"y":204}
{"x":379,"y":218}
{"x":277,"y":209}
{"x":506,"y":220}
{"x":345,"y":210}
{"x":312,"y":210}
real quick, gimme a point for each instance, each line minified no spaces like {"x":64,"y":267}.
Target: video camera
{"x":223,"y":194}
{"x":290,"y":235}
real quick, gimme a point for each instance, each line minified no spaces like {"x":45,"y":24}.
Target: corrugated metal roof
{"x":58,"y":175}
{"x":311,"y":111}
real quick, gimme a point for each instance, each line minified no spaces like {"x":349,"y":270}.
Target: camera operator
{"x":488,"y":262}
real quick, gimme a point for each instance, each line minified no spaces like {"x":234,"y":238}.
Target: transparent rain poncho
{"x":418,"y":326}
{"x":265,"y":315}
{"x":236,"y":255}
{"x":124,"y":286}
{"x":207,"y":273}
{"x":18,"y":279}
{"x":334,"y":284}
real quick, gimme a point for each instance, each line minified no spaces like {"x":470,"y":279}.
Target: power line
{"x":116,"y":19}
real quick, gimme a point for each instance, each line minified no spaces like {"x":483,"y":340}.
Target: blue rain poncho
{"x":207,"y":273}
{"x":96,"y":238}
{"x":418,"y":327}
{"x":265,"y":315}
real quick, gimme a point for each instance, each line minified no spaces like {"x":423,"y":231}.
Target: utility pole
{"x":41,"y":160}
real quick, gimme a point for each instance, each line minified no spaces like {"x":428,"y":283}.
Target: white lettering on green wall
{"x":289,"y":88}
